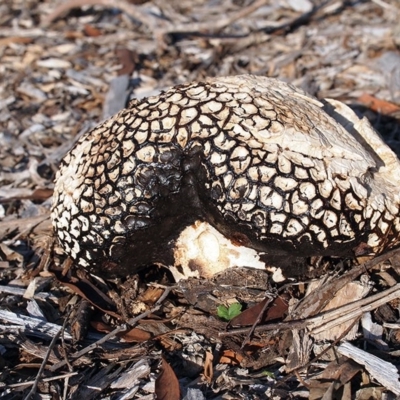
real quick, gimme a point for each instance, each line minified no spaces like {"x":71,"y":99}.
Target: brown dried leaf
{"x":134,"y":335}
{"x":100,"y":326}
{"x":321,"y":390}
{"x":167,"y":385}
{"x":300,"y":350}
{"x":10,"y":254}
{"x":319,"y":298}
{"x":88,"y":291}
{"x":277,"y":310}
{"x":71,"y":35}
{"x":169,"y":340}
{"x":15,"y":39}
{"x":39,"y":225}
{"x":342,"y":370}
{"x":127,"y":59}
{"x":230,"y":357}
{"x":208,"y":372}
{"x":91,"y":31}
{"x":81,"y":320}
{"x":41,"y":194}
{"x":151,"y":295}
{"x":378,"y":105}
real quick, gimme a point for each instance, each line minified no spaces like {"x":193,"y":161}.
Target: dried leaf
{"x":135,"y":335}
{"x":208,"y":372}
{"x":167,"y":385}
{"x":91,"y":31}
{"x":88,"y":291}
{"x":151,"y":295}
{"x":127,"y":59}
{"x":41,"y":194}
{"x":299,"y":353}
{"x":81,"y":320}
{"x":10,"y":254}
{"x":322,"y":390}
{"x":100,"y":326}
{"x":349,"y":293}
{"x":15,"y":39}
{"x":277,"y":310}
{"x":378,"y":105}
{"x":342,"y":370}
{"x":230,"y":357}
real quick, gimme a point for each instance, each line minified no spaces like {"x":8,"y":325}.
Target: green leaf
{"x":229,"y":313}
{"x":269,"y":374}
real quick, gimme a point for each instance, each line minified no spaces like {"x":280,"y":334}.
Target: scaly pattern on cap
{"x":267,"y":165}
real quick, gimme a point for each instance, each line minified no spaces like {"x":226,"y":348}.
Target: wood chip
{"x":384,"y":372}
{"x":32,"y":326}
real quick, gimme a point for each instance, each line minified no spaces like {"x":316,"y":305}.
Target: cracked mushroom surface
{"x":255,"y":164}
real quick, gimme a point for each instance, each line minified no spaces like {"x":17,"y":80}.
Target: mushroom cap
{"x":266,"y":165}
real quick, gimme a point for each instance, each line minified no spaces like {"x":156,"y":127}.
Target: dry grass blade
{"x":53,"y":378}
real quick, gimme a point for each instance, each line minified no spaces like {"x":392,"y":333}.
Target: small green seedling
{"x":269,"y":374}
{"x":228,"y":313}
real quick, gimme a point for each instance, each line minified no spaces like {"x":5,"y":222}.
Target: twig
{"x":66,"y":385}
{"x":44,"y":362}
{"x":298,"y":324}
{"x":122,"y":328}
{"x":353,"y":310}
{"x":260,"y":315}
{"x":53,"y":378}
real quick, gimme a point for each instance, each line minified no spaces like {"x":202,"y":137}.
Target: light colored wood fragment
{"x":384,"y":372}
{"x":32,"y":326}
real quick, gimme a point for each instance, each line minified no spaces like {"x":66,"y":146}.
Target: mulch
{"x":66,"y":334}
